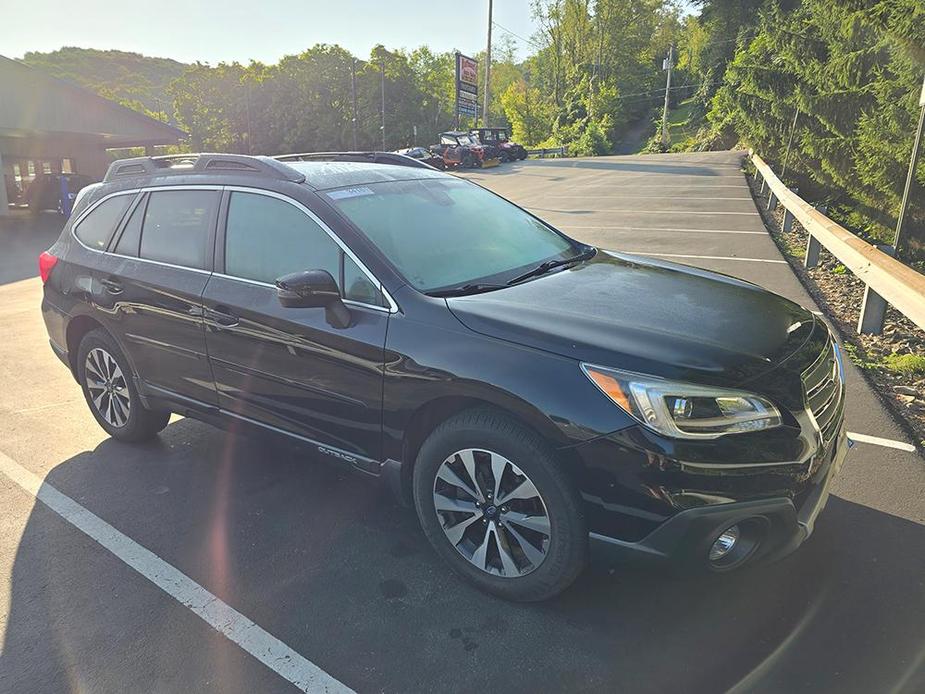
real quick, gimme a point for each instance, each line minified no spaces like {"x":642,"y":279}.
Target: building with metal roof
{"x":51,"y":126}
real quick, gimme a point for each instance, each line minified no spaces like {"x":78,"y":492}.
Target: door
{"x":288,"y":368}
{"x":153,"y":280}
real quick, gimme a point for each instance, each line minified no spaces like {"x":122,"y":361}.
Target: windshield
{"x":443,"y":232}
{"x":467,"y":140}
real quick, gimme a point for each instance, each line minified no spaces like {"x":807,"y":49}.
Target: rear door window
{"x":177,"y":225}
{"x":96,"y":228}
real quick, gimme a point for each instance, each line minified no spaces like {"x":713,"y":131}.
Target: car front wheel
{"x":496,"y":506}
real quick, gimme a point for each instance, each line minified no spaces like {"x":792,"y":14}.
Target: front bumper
{"x":684,"y":540}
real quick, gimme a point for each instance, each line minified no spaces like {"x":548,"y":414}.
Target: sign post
{"x":467,"y":87}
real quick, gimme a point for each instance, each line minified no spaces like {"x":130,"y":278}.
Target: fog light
{"x":724,"y":543}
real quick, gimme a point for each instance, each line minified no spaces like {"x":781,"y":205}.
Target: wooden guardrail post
{"x":786,"y":224}
{"x":811,"y":259}
{"x":873,"y":307}
{"x":772,"y":201}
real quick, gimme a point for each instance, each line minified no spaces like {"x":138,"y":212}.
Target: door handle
{"x":111,"y":286}
{"x":224,"y":318}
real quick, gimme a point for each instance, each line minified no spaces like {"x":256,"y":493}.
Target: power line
{"x":518,"y":36}
{"x":662,"y":89}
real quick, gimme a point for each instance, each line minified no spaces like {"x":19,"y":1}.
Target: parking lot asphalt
{"x":327,"y":563}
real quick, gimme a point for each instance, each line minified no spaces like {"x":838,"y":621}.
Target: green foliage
{"x":530,"y":114}
{"x":592,"y":53}
{"x":133,"y":80}
{"x":853,"y":72}
{"x":305,"y":102}
{"x":907,"y":364}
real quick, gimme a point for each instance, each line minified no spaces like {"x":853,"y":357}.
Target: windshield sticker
{"x":345,"y":193}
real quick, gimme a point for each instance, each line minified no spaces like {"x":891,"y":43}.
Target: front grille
{"x":822,"y":385}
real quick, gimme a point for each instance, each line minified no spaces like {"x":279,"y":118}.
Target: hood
{"x":647,"y":316}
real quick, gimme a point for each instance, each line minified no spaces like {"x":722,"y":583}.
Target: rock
{"x":908,"y":399}
{"x":905,"y":390}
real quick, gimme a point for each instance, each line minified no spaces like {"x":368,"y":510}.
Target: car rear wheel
{"x":105,"y":377}
{"x":496,"y":506}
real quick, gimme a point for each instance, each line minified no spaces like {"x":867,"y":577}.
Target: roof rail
{"x":372,"y":157}
{"x":201,"y":163}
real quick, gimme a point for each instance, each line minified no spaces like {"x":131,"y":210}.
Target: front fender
{"x":425,"y":363}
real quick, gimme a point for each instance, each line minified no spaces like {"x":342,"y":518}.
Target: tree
{"x":530,"y":114}
{"x":852,"y":72}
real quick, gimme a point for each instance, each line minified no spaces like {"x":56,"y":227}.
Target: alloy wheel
{"x":492,"y":513}
{"x":108,"y":387}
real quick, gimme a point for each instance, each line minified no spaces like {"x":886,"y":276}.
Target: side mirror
{"x":314,"y":289}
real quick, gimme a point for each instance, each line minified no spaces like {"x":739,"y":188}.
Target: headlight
{"x":684,"y":410}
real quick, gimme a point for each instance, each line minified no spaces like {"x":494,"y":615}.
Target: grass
{"x":681,"y":124}
{"x":906,"y":364}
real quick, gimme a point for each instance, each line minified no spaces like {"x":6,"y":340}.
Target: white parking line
{"x":631,"y":196}
{"x":623,"y":209}
{"x":667,"y":186}
{"x":265,"y":647}
{"x":877,"y":441}
{"x":690,"y":231}
{"x":704,"y":257}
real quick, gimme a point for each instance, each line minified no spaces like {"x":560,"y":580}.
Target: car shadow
{"x":23,"y":236}
{"x":330,"y":564}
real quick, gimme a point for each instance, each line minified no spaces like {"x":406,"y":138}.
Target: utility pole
{"x":382,"y":89}
{"x":247,"y":108}
{"x":910,"y":177}
{"x":793,"y":127}
{"x":669,"y":63}
{"x":353,"y":94}
{"x":487,"y":71}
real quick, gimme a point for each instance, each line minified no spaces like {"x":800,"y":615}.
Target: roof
{"x":322,"y":175}
{"x":35,"y":103}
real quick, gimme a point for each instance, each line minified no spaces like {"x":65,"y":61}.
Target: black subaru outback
{"x":534,"y":397}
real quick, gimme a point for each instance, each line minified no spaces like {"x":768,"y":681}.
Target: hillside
{"x":132,"y":79}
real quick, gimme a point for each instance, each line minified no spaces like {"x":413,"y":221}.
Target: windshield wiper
{"x":470,"y":288}
{"x":548,"y":265}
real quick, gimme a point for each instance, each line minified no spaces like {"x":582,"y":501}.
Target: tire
{"x":522,"y":563}
{"x":106,"y":379}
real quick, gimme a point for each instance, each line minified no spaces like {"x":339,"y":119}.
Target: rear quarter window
{"x":97,"y":228}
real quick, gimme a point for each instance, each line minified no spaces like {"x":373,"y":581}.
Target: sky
{"x":242,"y":30}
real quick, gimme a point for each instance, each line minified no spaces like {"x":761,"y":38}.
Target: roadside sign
{"x":467,"y":85}
{"x":467,"y":70}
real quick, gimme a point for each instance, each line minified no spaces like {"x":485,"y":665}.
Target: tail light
{"x":46,"y":263}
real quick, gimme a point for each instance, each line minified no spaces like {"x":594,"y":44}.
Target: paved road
{"x":330,"y":566}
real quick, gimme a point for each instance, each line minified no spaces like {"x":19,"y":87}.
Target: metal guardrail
{"x":543,"y":153}
{"x":888,"y":280}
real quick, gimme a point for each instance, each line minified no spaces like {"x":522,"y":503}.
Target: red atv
{"x":460,"y":149}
